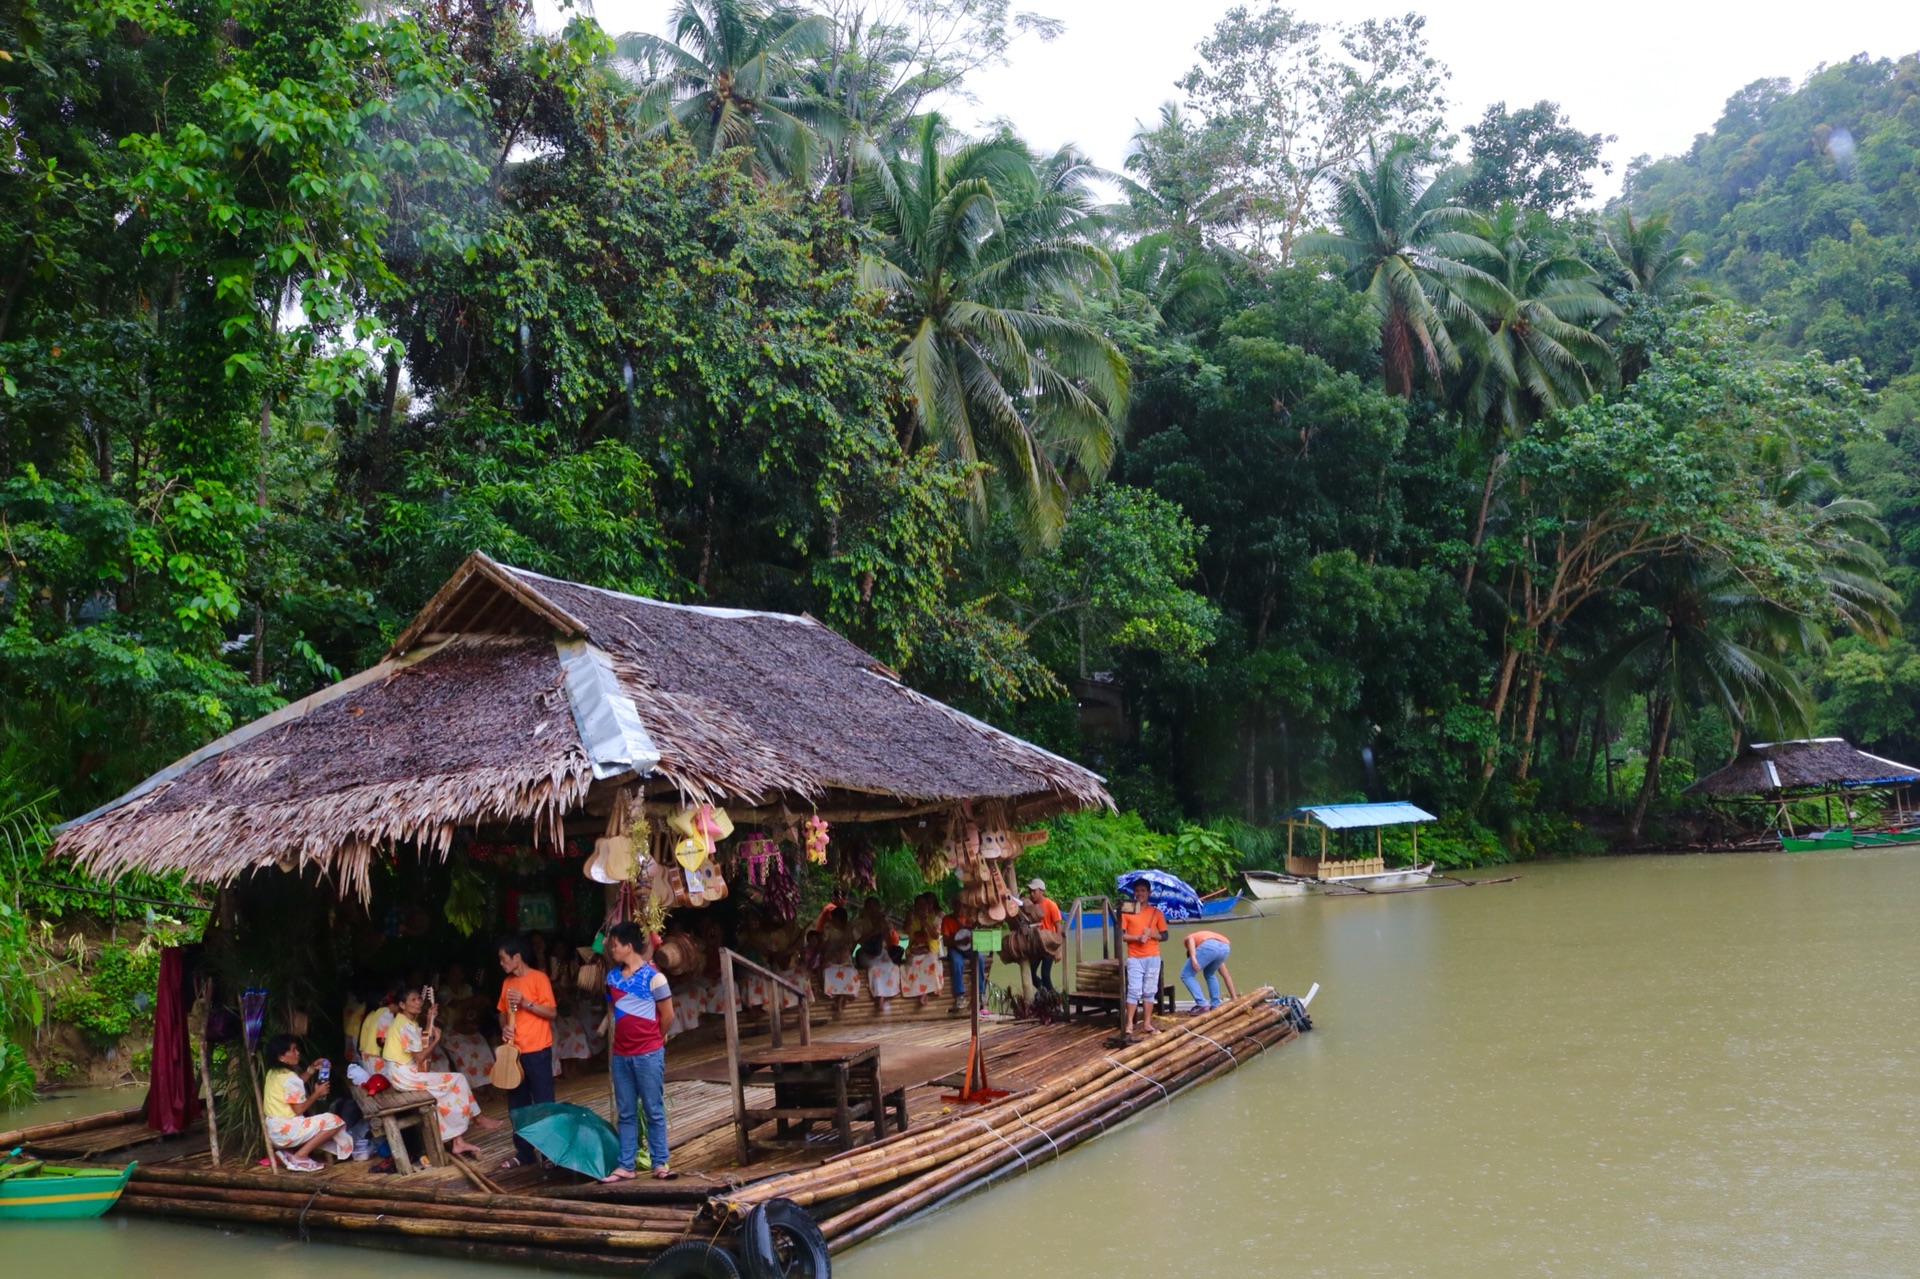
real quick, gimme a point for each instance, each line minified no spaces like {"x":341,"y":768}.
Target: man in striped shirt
{"x":642,"y":1006}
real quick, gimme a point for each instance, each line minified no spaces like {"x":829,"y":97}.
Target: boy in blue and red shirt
{"x":642,"y":1006}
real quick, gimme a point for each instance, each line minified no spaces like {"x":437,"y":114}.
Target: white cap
{"x":1040,"y":884}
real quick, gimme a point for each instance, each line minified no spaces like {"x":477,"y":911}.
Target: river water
{"x":1688,"y":1066}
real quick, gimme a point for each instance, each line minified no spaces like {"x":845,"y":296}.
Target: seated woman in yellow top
{"x":373,"y":1031}
{"x":295,"y":1134}
{"x":407,"y":1048}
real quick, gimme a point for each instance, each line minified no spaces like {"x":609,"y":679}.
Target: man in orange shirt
{"x":1049,"y":922}
{"x":1145,"y":928}
{"x":527,"y":1009}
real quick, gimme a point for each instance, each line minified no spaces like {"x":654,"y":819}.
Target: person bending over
{"x":1207,"y":958}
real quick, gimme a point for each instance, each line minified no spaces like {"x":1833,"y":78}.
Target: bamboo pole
{"x":914,"y":1152}
{"x":942,"y":1188}
{"x":300,"y":1199}
{"x":168,"y":1175}
{"x":386,"y":1223}
{"x":70,"y":1127}
{"x":965,"y":1133}
{"x":958,"y":1170}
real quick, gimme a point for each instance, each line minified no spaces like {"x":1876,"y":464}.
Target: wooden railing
{"x":776,"y":1014}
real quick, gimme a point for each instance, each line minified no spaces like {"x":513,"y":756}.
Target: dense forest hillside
{"x":1805,"y":201}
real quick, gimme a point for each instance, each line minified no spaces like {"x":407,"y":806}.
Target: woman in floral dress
{"x":407,"y":1045}
{"x":294,"y":1133}
{"x":921,"y":980}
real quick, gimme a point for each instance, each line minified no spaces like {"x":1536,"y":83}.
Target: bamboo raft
{"x":1066,"y":1085}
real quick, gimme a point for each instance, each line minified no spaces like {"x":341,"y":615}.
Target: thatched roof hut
{"x":1804,"y":767}
{"x":516,"y":700}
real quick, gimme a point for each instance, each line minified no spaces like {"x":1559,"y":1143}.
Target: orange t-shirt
{"x":530,"y":1033}
{"x":1204,"y":936}
{"x":1050,"y":913}
{"x":1139,"y":928}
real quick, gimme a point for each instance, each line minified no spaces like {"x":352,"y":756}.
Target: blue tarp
{"x":1175,"y":898}
{"x":1347,"y":816}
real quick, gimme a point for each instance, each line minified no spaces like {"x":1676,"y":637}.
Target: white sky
{"x":1653,"y":73}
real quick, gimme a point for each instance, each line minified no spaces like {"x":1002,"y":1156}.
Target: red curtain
{"x":172,"y":1101}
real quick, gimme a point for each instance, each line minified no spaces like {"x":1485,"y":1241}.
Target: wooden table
{"x":836,"y":1082}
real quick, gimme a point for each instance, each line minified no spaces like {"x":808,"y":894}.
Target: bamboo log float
{"x":1175,"y":1067}
{"x":965,"y":1135}
{"x":919,"y":1150}
{"x":385,"y":1223}
{"x":684,"y":1191}
{"x":932,"y":1192}
{"x":68,"y":1127}
{"x":147,"y":1175}
{"x":300,"y":1199}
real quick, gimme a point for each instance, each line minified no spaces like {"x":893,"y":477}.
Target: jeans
{"x":956,"y":971}
{"x":536,"y":1085}
{"x":639,"y":1083}
{"x":1210,"y":954}
{"x":1043,"y":973}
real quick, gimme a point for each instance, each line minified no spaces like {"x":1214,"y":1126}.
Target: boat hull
{"x":1266,"y":886}
{"x":1405,"y":877}
{"x":62,"y":1194}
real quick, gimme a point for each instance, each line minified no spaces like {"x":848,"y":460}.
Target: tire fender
{"x":806,"y":1245}
{"x":693,"y":1259}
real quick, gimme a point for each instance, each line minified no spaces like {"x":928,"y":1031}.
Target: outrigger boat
{"x":34,"y":1191}
{"x":1323,"y":871}
{"x":1846,"y":837}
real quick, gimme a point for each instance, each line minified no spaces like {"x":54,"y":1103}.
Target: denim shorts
{"x":1143,"y":979}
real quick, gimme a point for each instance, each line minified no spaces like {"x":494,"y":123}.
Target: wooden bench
{"x":392,"y":1112}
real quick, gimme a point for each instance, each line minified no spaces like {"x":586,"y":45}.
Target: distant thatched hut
{"x":521,"y":702}
{"x":1777,"y":774}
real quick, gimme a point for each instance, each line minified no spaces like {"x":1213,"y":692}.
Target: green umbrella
{"x":572,"y":1136}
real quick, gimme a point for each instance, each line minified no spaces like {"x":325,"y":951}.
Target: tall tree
{"x":1404,"y":243}
{"x":1304,"y":101}
{"x":1532,"y":157}
{"x":731,"y":76}
{"x":981,"y":261}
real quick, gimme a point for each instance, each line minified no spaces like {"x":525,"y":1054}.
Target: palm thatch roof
{"x":1807,"y":765}
{"x":518,"y":699}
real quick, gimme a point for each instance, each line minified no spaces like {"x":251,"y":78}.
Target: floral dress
{"x":922,"y":975}
{"x":457,"y":1107}
{"x":288,"y":1129}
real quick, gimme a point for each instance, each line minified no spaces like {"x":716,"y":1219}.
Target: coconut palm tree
{"x":983,"y":257}
{"x":1522,"y":322}
{"x":1656,"y":262}
{"x":730,"y":77}
{"x":1404,"y":243}
{"x":1709,"y":638}
{"x":1527,"y":321}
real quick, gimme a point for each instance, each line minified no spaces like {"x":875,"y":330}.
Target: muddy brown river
{"x":1688,"y":1066}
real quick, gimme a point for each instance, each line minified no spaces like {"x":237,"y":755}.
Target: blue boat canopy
{"x":1348,"y":816}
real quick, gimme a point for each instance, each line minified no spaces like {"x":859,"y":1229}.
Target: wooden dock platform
{"x":1066,"y":1083}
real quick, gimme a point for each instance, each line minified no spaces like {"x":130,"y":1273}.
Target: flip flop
{"x":618,"y":1175}
{"x":508,"y":1164}
{"x":665,"y":1174}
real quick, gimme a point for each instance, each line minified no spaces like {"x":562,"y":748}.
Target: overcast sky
{"x":1653,"y":73}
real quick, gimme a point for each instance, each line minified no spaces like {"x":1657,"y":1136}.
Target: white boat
{"x":1398,"y":877}
{"x":1272,"y":885}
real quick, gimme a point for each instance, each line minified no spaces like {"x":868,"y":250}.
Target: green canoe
{"x":35,"y":1191}
{"x":1818,"y":841}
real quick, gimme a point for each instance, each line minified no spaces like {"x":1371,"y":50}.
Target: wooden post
{"x":253,"y":1082}
{"x":733,"y":1053}
{"x":1416,"y":843}
{"x":206,"y":1084}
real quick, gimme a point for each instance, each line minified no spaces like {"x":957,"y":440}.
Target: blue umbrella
{"x":1173,"y":895}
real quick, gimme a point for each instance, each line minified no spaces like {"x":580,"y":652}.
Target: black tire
{"x":780,"y":1240}
{"x":693,"y":1259}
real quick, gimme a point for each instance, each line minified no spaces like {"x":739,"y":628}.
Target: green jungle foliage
{"x":1331,"y":459}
